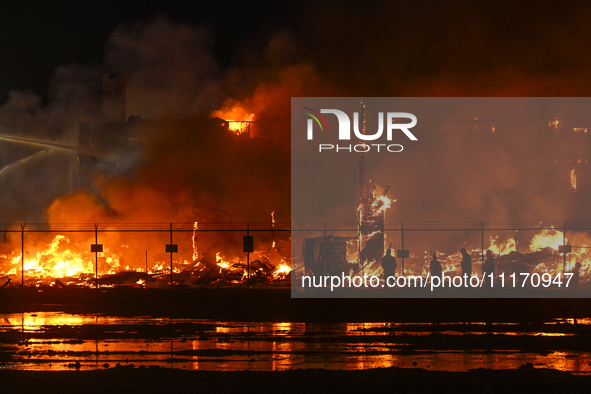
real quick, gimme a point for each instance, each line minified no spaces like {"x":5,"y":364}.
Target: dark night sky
{"x":379,"y":48}
{"x":36,"y":38}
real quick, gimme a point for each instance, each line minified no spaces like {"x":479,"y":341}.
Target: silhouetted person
{"x":574,"y":281}
{"x":466,"y":263}
{"x":489,"y":263}
{"x":489,"y":268}
{"x":435,"y":266}
{"x":389,"y":264}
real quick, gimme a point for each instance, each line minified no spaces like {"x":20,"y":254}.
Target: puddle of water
{"x":59,"y":341}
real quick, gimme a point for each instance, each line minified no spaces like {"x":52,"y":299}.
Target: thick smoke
{"x":181,"y":177}
{"x":442,"y":50}
{"x":184,"y":174}
{"x":513,"y":167}
{"x":466,"y":173}
{"x":31,"y":176}
{"x":172,"y":72}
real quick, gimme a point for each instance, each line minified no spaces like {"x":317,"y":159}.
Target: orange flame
{"x":282,"y":270}
{"x":500,"y":248}
{"x":195,"y":245}
{"x":380,"y":204}
{"x":57,"y":260}
{"x":238,"y":118}
{"x":548,"y":238}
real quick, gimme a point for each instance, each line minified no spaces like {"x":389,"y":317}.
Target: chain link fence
{"x":516,"y":250}
{"x":143,"y":255}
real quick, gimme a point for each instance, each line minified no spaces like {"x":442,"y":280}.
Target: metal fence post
{"x":402,"y":242}
{"x":248,"y":257}
{"x":147,"y":276}
{"x":96,"y":256}
{"x":482,"y":247}
{"x":564,"y":254}
{"x":23,"y":255}
{"x":324,"y":252}
{"x":171,"y":285}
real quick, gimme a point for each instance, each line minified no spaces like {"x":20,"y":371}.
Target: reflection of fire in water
{"x":283,"y":345}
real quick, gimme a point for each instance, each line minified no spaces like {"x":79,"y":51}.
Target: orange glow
{"x":57,"y":260}
{"x":573,"y":179}
{"x":219,"y":259}
{"x":380,"y":204}
{"x":282,"y":270}
{"x":238,"y":118}
{"x":500,"y":248}
{"x":548,"y":238}
{"x":70,"y":261}
{"x":195,"y":245}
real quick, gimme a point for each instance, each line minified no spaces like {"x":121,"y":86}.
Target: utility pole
{"x":402,"y":236}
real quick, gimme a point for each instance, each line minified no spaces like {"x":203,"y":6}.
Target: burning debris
{"x":67,"y":260}
{"x":239,"y":120}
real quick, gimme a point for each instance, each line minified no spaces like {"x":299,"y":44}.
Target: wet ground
{"x":45,"y":340}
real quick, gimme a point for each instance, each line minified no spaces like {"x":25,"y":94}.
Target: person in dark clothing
{"x":466,"y":263}
{"x":489,"y":263}
{"x":574,"y":282}
{"x":489,"y":267}
{"x":389,"y":264}
{"x":435,"y":266}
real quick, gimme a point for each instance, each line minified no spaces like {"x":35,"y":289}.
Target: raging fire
{"x":500,"y":248}
{"x":282,"y":270}
{"x":58,"y":260}
{"x":381,"y":204}
{"x":548,"y":238}
{"x":67,"y":261}
{"x":238,"y":118}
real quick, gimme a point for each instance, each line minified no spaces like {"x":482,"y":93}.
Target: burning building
{"x":501,"y":176}
{"x":323,"y":255}
{"x":129,"y":172}
{"x":120,"y":141}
